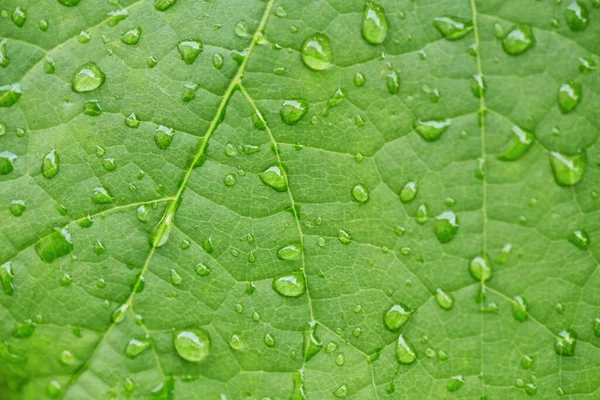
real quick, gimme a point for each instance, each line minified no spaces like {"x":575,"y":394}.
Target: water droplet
{"x":405,"y":352}
{"x":569,"y":96}
{"x":292,"y":111}
{"x":202,"y":269}
{"x":374,"y":23}
{"x":360,"y":79}
{"x":478,"y":86}
{"x":19,"y":16}
{"x":192,"y":345}
{"x":55,"y":245}
{"x":480,"y":268}
{"x":189,"y":92}
{"x":49,"y":66}
{"x":565,"y":343}
{"x":559,"y":308}
{"x":316,"y":52}
{"x":6,"y":278}
{"x":518,"y":40}
{"x":131,"y":36}
{"x":290,"y":285}
{"x":119,"y":314}
{"x":53,"y":389}
{"x":331,"y":347}
{"x":102,"y":195}
{"x":567,"y":170}
{"x":408,"y":192}
{"x":456,"y":382}
{"x":312,"y":344}
{"x":241,"y":29}
{"x":340,"y":359}
{"x":269,"y":340}
{"x":580,"y":239}
{"x":586,"y":65}
{"x":208,"y":245}
{"x":189,"y":50}
{"x":136,"y":347}
{"x":84,"y":37}
{"x":393,"y":82}
{"x":445,"y":300}
{"x":99,"y":248}
{"x":360,"y":193}
{"x":577,"y":16}
{"x":344,"y":237}
{"x":87,"y":78}
{"x":17,"y":207}
{"x":230,"y":180}
{"x":342,"y":391}
{"x":43,"y":25}
{"x":518,"y":145}
{"x":116,"y":16}
{"x":4,"y":59}
{"x":9,"y":94}
{"x":163,"y":136}
{"x":356,"y":332}
{"x":431,"y":130}
{"x":66,"y":280}
{"x":235,"y":342}
{"x":422,"y":213}
{"x":445,"y":226}
{"x":67,"y":358}
{"x":151,"y":61}
{"x":396,"y":316}
{"x":526,"y":362}
{"x":452,"y":28}
{"x":92,"y":108}
{"x":290,"y":252}
{"x":519,"y":309}
{"x":162,"y":5}
{"x":7,"y":162}
{"x":275,"y":177}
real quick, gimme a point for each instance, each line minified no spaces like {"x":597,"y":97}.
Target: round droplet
{"x":87,"y":78}
{"x":316,"y":52}
{"x":192,"y":344}
{"x":396,"y":316}
{"x":518,"y":40}
{"x":19,"y":16}
{"x":293,"y":110}
{"x":445,"y":226}
{"x":569,"y":96}
{"x":577,"y":16}
{"x":431,"y":130}
{"x":526,"y":361}
{"x":275,"y":177}
{"x":567,"y":170}
{"x":229,"y":180}
{"x":374,"y":23}
{"x":480,"y":268}
{"x":359,"y":79}
{"x":360,"y":193}
{"x":452,"y":28}
{"x":408,"y":192}
{"x":291,"y":285}
{"x":17,"y":207}
{"x":189,"y":50}
{"x":235,"y":342}
{"x":405,"y":352}
{"x":202,"y":269}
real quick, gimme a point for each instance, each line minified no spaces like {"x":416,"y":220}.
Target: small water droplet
{"x":360,"y":79}
{"x":360,"y":193}
{"x":19,"y":16}
{"x":518,"y":145}
{"x":316,"y":52}
{"x":290,"y":252}
{"x":344,"y":237}
{"x":275,"y":177}
{"x":408,"y":192}
{"x":565,"y":343}
{"x":431,"y":130}
{"x":393,"y":82}
{"x":580,"y":239}
{"x":43,"y":25}
{"x":519,"y":309}
{"x":131,"y":36}
{"x":478,"y":86}
{"x":445,"y":300}
{"x":452,"y":28}
{"x":269,"y":340}
{"x":9,"y":94}
{"x":53,"y":389}
{"x":569,"y":96}
{"x":290,"y":285}
{"x":422,"y":214}
{"x":163,"y":136}
{"x":445,"y":226}
{"x":92,"y":108}
{"x":455,"y":383}
{"x":374,"y":23}
{"x":526,"y":361}
{"x":189,"y":50}
{"x":102,"y":195}
{"x":175,"y":277}
{"x":340,"y":359}
{"x":235,"y":342}
{"x":116,"y":16}
{"x":119,"y":314}
{"x":17,"y":207}
{"x":136,"y":347}
{"x":586,"y":65}
{"x":567,"y":170}
{"x":6,"y":278}
{"x":163,"y":5}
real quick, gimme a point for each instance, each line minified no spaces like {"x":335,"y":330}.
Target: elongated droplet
{"x":445,"y":226}
{"x":569,"y":96}
{"x":360,"y":193}
{"x":119,"y":314}
{"x":408,"y":192}
{"x":87,"y":77}
{"x":396,"y":316}
{"x":452,"y":28}
{"x":567,"y":170}
{"x":344,"y":237}
{"x":565,"y":343}
{"x":290,"y":252}
{"x":393,"y":82}
{"x":577,"y":16}
{"x":422,"y":214}
{"x":189,"y":50}
{"x":455,"y":383}
{"x":316,"y":52}
{"x":290,"y":285}
{"x":293,"y":110}
{"x":160,"y":234}
{"x":518,"y":40}
{"x":480,"y":268}
{"x":9,"y":94}
{"x":192,"y":345}
{"x":49,"y":66}
{"x":374,"y":23}
{"x":55,"y":245}
{"x":405,"y":352}
{"x":136,"y":347}
{"x":162,"y":5}
{"x":102,"y":195}
{"x":275,"y":177}
{"x":431,"y":130}
{"x":518,"y":145}
{"x":580,"y":239}
{"x":50,"y":164}
{"x":445,"y":300}
{"x":519,"y":309}
{"x":4,"y":59}
{"x":312,"y":343}
{"x":131,"y":36}
{"x":116,"y":16}
{"x":478,"y":86}
{"x":7,"y":277}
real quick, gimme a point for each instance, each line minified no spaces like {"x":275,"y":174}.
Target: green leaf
{"x":299,"y":199}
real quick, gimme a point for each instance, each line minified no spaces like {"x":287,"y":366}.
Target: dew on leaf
{"x":119,"y":314}
{"x":445,"y":226}
{"x":132,"y":121}
{"x":518,"y":40}
{"x":567,"y":170}
{"x":293,"y":110}
{"x":269,"y":340}
{"x":290,"y":285}
{"x":431,"y":130}
{"x":480,"y":268}
{"x":7,"y":162}
{"x":53,"y":389}
{"x":229,"y":180}
{"x":422,"y":214}
{"x":526,"y":361}
{"x":360,"y":193}
{"x":455,"y":383}
{"x":19,"y":16}
{"x":444,"y":300}
{"x":569,"y":96}
{"x":92,"y":108}
{"x":189,"y":91}
{"x":109,"y":164}
{"x":6,"y":278}
{"x":408,"y":192}
{"x":9,"y":94}
{"x":135,"y":347}
{"x":374,"y":23}
{"x":235,"y":342}
{"x":396,"y":316}
{"x":163,"y":5}
{"x":579,"y":238}
{"x":340,"y":359}
{"x":66,"y":280}
{"x":151,"y":61}
{"x":405,"y":352}
{"x":316,"y":52}
{"x":519,"y":309}
{"x":67,"y":358}
{"x":17,"y":207}
{"x":4,"y":59}
{"x":517,"y":146}
{"x":565,"y":343}
{"x":290,"y":252}
{"x":192,"y":344}
{"x":577,"y":16}
{"x":202,"y":269}
{"x":189,"y":50}
{"x":87,"y":78}
{"x":102,"y":195}
{"x":99,"y":248}
{"x":478,"y":86}
{"x":43,"y":25}
{"x":84,"y":37}
{"x":274,"y":177}
{"x":55,"y":245}
{"x":452,"y":28}
{"x":163,"y":136}
{"x":131,"y":36}
{"x":116,"y":16}
{"x":49,"y":66}
{"x":359,"y":79}
{"x":393,"y":82}
{"x":586,"y":65}
{"x":142,"y":213}
{"x":344,"y":237}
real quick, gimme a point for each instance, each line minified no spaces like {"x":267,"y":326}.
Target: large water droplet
{"x":290,"y":252}
{"x":405,"y":352}
{"x":396,"y":316}
{"x":316,"y":52}
{"x":102,"y":195}
{"x":577,"y":16}
{"x":87,"y":78}
{"x":480,"y":268}
{"x":580,"y":239}
{"x":445,"y":226}
{"x":567,"y":170}
{"x":9,"y":94}
{"x":518,"y":40}
{"x":55,"y":245}
{"x":131,"y":36}
{"x":7,"y":277}
{"x":452,"y":28}
{"x":275,"y":177}
{"x":431,"y":130}
{"x":162,"y":5}
{"x":565,"y":343}
{"x":569,"y":96}
{"x":518,"y":145}
{"x":290,"y":285}
{"x":360,"y":193}
{"x":192,"y":345}
{"x":136,"y":347}
{"x":292,"y":110}
{"x":189,"y":50}
{"x":19,"y":16}
{"x":374,"y":23}
{"x":163,"y":136}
